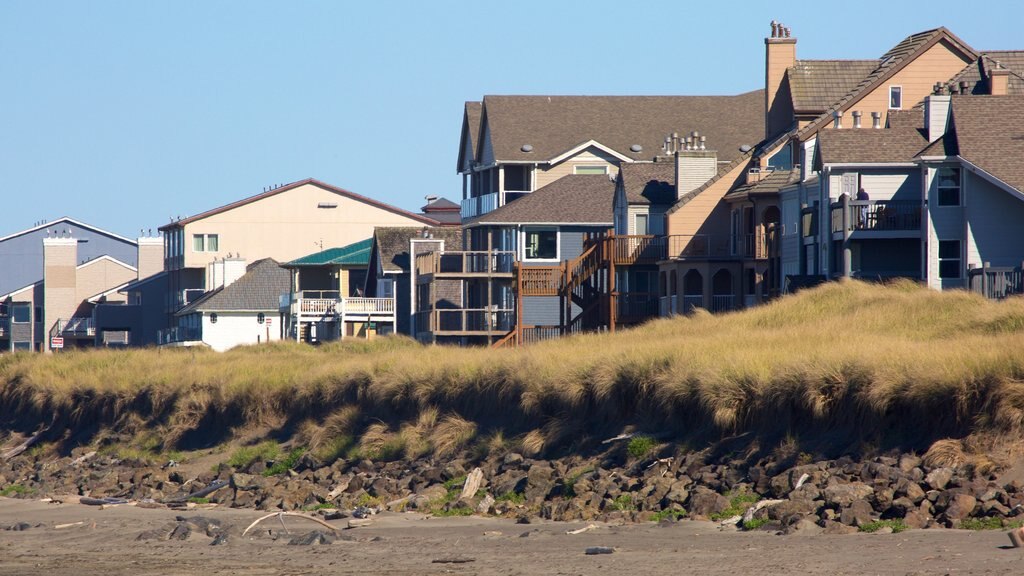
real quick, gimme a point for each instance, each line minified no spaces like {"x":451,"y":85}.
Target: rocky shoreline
{"x":834,"y":496}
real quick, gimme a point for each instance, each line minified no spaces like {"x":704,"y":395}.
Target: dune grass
{"x":849,"y":362}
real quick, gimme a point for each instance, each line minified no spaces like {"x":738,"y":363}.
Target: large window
{"x":21,"y":313}
{"x":540,"y":244}
{"x":895,"y":97}
{"x":205,"y":243}
{"x":948,"y":186}
{"x":949,"y":259}
{"x":517,"y":178}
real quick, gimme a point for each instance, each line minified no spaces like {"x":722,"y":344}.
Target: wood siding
{"x":591,"y":156}
{"x":693,"y":217}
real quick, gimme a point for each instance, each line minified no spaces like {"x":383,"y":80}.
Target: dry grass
{"x":873,"y":364}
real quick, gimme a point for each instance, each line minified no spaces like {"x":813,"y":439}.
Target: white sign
{"x":57,"y":342}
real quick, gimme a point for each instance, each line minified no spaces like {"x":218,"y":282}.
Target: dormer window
{"x":895,"y":97}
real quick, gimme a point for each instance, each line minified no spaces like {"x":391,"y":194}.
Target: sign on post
{"x":57,"y":342}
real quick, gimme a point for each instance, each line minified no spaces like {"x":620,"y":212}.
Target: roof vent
{"x":746,"y":148}
{"x":327,"y":205}
{"x":527,"y":148}
{"x":636,"y":148}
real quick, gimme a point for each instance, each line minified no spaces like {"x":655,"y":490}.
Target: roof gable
{"x":67,"y":220}
{"x":989,"y":133}
{"x":572,"y":199}
{"x":258,"y":289}
{"x":470,"y":136}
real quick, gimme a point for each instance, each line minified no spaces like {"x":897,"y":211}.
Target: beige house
{"x":283,"y":223}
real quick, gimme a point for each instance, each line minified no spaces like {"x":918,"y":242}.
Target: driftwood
{"x":26,"y":444}
{"x":71,"y":525}
{"x":453,"y":560}
{"x":359,"y":522}
{"x":472,"y":483}
{"x":280,"y":516}
{"x":586,"y":528}
{"x":101,"y":501}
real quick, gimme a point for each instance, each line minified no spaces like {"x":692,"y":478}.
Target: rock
{"x":960,"y":506}
{"x":539,"y":482}
{"x":312,"y":538}
{"x":599,"y":550}
{"x":838,"y":528}
{"x":220,"y":540}
{"x":939,"y":478}
{"x":181,"y":531}
{"x":18,"y":526}
{"x":803,"y":526}
{"x":486,"y":505}
{"x":241,"y":481}
{"x":677,"y":493}
{"x":788,"y":508}
{"x":916,"y":519}
{"x":908,"y":462}
{"x":910,"y":489}
{"x":244,"y":499}
{"x":705,"y":502}
{"x":152,"y":535}
{"x":842,"y":495}
{"x":859,"y":513}
{"x":512,"y":459}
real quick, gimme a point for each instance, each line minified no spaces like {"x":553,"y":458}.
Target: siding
{"x":994,"y":216}
{"x":944,"y":223}
{"x":541,"y":311}
{"x":892,"y":184}
{"x":791,"y":243}
{"x":238,"y":328}
{"x":692,"y":218}
{"x":589,"y":157}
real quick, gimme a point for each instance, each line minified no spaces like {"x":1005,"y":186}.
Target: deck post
{"x":847,"y":230}
{"x":519,"y":302}
{"x":984,"y":279}
{"x":613,"y":287}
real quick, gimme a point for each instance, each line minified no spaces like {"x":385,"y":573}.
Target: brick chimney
{"x":779,"y":55}
{"x":695,"y":164}
{"x":150,"y":255}
{"x":60,"y":281}
{"x":998,"y":80}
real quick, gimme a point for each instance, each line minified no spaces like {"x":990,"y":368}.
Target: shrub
{"x":738,"y":504}
{"x":285,"y":464}
{"x":640,"y":446}
{"x":624,"y":503}
{"x":246,"y":455}
{"x":669,"y":514}
{"x":981,"y":524}
{"x":897,"y":526}
{"x":754,"y":523}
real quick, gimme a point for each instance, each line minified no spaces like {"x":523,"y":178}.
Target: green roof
{"x":357,"y":254}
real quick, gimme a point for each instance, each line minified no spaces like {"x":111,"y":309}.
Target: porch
{"x":332,"y":312}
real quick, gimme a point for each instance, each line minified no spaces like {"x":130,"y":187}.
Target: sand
{"x":105,"y":544}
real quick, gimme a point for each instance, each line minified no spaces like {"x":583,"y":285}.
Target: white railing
{"x":722,"y":302}
{"x":691,"y":302}
{"x":319,"y":306}
{"x":335,"y":307}
{"x":368,"y":305}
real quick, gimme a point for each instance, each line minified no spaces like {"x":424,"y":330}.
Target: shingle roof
{"x":976,"y":73}
{"x":868,"y":145}
{"x":649,"y":183}
{"x":771,"y":184}
{"x":471,"y":124}
{"x":293,"y":185}
{"x":817,"y":84}
{"x":990,"y":134}
{"x":355,"y":254}
{"x":573,"y":199}
{"x":891,"y":62}
{"x":444,"y":211}
{"x":553,"y":125}
{"x":392,"y":242}
{"x":258,"y":289}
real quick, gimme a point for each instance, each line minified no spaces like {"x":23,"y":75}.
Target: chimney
{"x":837,"y":119}
{"x":60,"y":282}
{"x":936,"y":115}
{"x":998,"y":80}
{"x":856,"y":118}
{"x":779,"y":55}
{"x":695,"y":164}
{"x":150,"y":255}
{"x":234,"y":268}
{"x":876,"y":120}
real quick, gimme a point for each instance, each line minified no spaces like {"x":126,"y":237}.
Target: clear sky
{"x":125,"y":114}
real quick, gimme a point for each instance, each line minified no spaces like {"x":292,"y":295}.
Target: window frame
{"x":939,"y":188}
{"x":527,"y":230}
{"x":958,"y":259}
{"x":15,"y":307}
{"x":205,"y":243}
{"x":897,"y":89}
{"x":603,"y":167}
{"x":647,"y":224}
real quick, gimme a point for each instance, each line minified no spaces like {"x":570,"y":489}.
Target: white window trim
{"x":576,"y":167}
{"x":960,"y":258}
{"x":206,"y":242}
{"x":900,"y":107}
{"x":522,"y":243}
{"x":960,"y":194}
{"x":636,"y":218}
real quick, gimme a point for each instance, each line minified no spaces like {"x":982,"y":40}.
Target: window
{"x":590,"y":170}
{"x":260,"y":318}
{"x":213,"y":318}
{"x":23,"y":346}
{"x":895,"y":97}
{"x":21,"y":313}
{"x":205,"y":243}
{"x":949,"y":259}
{"x":385,"y":288}
{"x":540,"y":245}
{"x":948,"y":186}
{"x":641,"y":225}
{"x":517,"y":178}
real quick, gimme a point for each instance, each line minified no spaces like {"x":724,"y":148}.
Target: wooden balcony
{"x":885,"y":218}
{"x":327,"y":306}
{"x":466,"y":321}
{"x":467,"y":264}
{"x":541,"y":280}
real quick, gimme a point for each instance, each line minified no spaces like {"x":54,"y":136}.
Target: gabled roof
{"x":989,"y":133}
{"x":292,"y":186}
{"x":136,"y":284}
{"x":817,"y":84}
{"x":355,"y":254}
{"x":65,"y":219}
{"x":573,"y":199}
{"x":649,"y":182}
{"x":470,"y":133}
{"x":444,"y":211}
{"x":770,"y":185}
{"x":553,"y":125}
{"x":723,"y":171}
{"x":870,"y":146}
{"x":891,"y":62}
{"x":976,"y":74}
{"x":258,"y":289}
{"x":391,"y":243}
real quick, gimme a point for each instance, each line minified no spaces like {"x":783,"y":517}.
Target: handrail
{"x":509,"y":341}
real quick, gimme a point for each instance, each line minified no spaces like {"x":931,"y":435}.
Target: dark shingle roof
{"x":989,"y":133}
{"x":817,"y":84}
{"x":890,"y":63}
{"x":573,"y":199}
{"x":553,"y":125}
{"x":355,"y":254}
{"x":868,"y":145}
{"x":976,"y":73}
{"x":444,"y":211}
{"x":471,"y":124}
{"x":649,"y":183}
{"x":392,"y":243}
{"x":770,"y":185}
{"x":258,"y":289}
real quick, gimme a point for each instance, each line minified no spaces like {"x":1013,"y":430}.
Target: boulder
{"x":705,"y":502}
{"x":859,"y":513}
{"x":960,"y":506}
{"x":842,"y":495}
{"x":539,"y":482}
{"x":793,"y":507}
{"x":939,"y":478}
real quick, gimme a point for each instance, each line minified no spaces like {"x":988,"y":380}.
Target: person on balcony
{"x":862,"y":195}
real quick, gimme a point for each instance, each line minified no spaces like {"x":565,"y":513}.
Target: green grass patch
{"x":448,"y":512}
{"x":669,"y":514}
{"x":512,"y":498}
{"x":897,"y":526}
{"x":754,"y":523}
{"x":246,"y":455}
{"x":15,"y":490}
{"x":320,"y":506}
{"x":198,"y":500}
{"x":640,"y":446}
{"x":285,"y":464}
{"x":335,"y":449}
{"x":624,"y":503}
{"x":981,"y":524}
{"x":738,"y":504}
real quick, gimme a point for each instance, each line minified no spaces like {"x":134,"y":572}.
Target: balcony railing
{"x":541,"y":281}
{"x":638,"y":249}
{"x":880,"y":216}
{"x":177,"y":334}
{"x":76,"y":326}
{"x":466,"y":321}
{"x":473,"y":207}
{"x":996,"y":283}
{"x":327,"y":303}
{"x":698,"y":246}
{"x":722,"y":302}
{"x":5,"y":326}
{"x":468,"y":262}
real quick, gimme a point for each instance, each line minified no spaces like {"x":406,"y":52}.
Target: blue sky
{"x":124,"y":114}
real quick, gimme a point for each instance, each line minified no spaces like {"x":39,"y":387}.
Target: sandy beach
{"x":106,"y":543}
